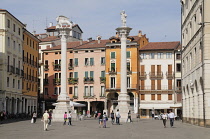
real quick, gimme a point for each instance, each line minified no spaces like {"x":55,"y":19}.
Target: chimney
{"x":90,"y":39}
{"x":50,"y":24}
{"x":140,"y":33}
{"x":81,"y":42}
{"x":34,"y":32}
{"x":98,"y":38}
{"x":117,"y":34}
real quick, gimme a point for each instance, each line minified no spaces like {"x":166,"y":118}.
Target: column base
{"x":123,"y":106}
{"x":60,"y":109}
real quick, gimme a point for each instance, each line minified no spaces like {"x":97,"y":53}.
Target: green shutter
{"x":128,"y":54}
{"x":75,"y":74}
{"x":112,"y":54}
{"x":86,"y":74}
{"x":91,"y":73}
{"x":91,"y":61}
{"x":102,"y":73}
{"x":76,"y":61}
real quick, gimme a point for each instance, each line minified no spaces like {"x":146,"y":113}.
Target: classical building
{"x":30,"y":55}
{"x":11,"y":71}
{"x":113,"y":72}
{"x":195,"y":31}
{"x":160,"y":78}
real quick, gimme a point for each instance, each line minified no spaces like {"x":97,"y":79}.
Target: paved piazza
{"x":89,"y":129}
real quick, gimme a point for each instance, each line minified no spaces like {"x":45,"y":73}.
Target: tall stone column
{"x":63,"y":102}
{"x":123,"y":97}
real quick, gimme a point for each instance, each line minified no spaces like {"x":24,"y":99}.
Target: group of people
{"x":170,"y":116}
{"x":67,"y":116}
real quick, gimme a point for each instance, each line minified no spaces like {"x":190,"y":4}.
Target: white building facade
{"x":195,"y":61}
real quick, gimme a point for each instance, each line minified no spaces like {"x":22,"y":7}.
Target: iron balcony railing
{"x":88,"y":80}
{"x":72,"y":80}
{"x":57,"y":81}
{"x":112,"y":71}
{"x":156,"y":75}
{"x":46,"y":67}
{"x":56,"y":67}
{"x":118,"y":86}
{"x":142,"y":75}
{"x":156,"y":88}
{"x":169,"y":75}
{"x":102,"y":79}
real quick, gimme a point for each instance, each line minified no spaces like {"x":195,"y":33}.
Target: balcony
{"x":17,"y":71}
{"x":56,"y":67}
{"x":73,"y":80}
{"x":45,"y":81}
{"x":178,"y":89}
{"x":88,"y":97}
{"x":118,"y":87}
{"x":88,"y":80}
{"x":57,"y":81}
{"x":102,"y":79}
{"x":156,"y":75}
{"x":10,"y":69}
{"x":22,"y":74}
{"x":142,"y":75}
{"x":162,"y":88}
{"x":169,"y":75}
{"x":112,"y":71}
{"x":46,"y":67}
{"x":129,"y":71}
{"x":70,"y":66}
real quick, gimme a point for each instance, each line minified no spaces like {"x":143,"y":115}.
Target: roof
{"x":93,"y":44}
{"x":50,"y":38}
{"x":161,"y":45}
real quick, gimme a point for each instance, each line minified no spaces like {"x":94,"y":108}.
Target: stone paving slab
{"x":89,"y":129}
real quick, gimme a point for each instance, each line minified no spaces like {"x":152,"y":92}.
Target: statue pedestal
{"x":60,"y":109}
{"x":123,"y":106}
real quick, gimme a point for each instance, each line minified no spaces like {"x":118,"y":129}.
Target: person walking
{"x":100,"y":120}
{"x":45,"y":119}
{"x":164,"y":117}
{"x":69,"y":117}
{"x":50,"y":117}
{"x":104,"y":119}
{"x":34,"y":116}
{"x":117,"y":115}
{"x":129,"y":116}
{"x":65,"y":118}
{"x":112,"y":117}
{"x":153,"y":115}
{"x":171,"y":117}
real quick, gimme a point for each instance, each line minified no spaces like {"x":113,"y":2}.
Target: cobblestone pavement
{"x":89,"y":129}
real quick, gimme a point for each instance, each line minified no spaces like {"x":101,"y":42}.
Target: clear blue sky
{"x":159,"y":19}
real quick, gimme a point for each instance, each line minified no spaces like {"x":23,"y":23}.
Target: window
{"x":143,"y":56}
{"x":70,"y":90}
{"x":14,"y":27}
{"x":8,"y":23}
{"x":18,"y":84}
{"x":102,"y":60}
{"x":75,"y":90}
{"x":76,"y":62}
{"x":91,"y":50}
{"x":160,"y":55}
{"x":102,"y":91}
{"x":178,"y":67}
{"x":102,"y":73}
{"x":128,"y":54}
{"x":86,"y":51}
{"x":91,"y":74}
{"x":169,"y":96}
{"x":152,"y":96}
{"x":86,"y":93}
{"x":142,"y":96}
{"x":112,"y":67}
{"x":13,"y":83}
{"x":112,"y":55}
{"x":7,"y":81}
{"x":128,"y":66}
{"x":178,"y":56}
{"x":152,"y":55}
{"x":8,"y":41}
{"x":128,"y":82}
{"x":91,"y":61}
{"x":18,"y":31}
{"x":86,"y":62}
{"x":158,"y":96}
{"x":55,"y":91}
{"x":112,"y":82}
{"x":19,"y":49}
{"x":86,"y":74}
{"x":46,"y":91}
{"x":168,"y":55}
{"x":75,"y":51}
{"x":46,"y":53}
{"x":91,"y":91}
{"x":102,"y":50}
{"x":14,"y":45}
{"x":75,"y":74}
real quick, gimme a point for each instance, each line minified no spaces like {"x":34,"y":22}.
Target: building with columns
{"x":195,"y":31}
{"x":160,"y":78}
{"x":11,"y":71}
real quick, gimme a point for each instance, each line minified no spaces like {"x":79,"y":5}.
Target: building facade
{"x":11,"y":71}
{"x":195,"y":30}
{"x":160,"y":77}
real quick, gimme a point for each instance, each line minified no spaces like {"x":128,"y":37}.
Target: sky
{"x":159,"y":19}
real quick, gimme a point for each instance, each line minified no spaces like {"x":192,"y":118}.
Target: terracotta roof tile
{"x":93,"y":44}
{"x":161,"y":45}
{"x":50,"y":38}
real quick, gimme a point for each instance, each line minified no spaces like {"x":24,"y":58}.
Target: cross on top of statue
{"x":123,"y":18}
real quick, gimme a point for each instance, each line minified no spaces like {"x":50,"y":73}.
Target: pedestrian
{"x":171,"y":117}
{"x":129,"y":116}
{"x":96,"y":114}
{"x":117,"y":115}
{"x":65,"y":118}
{"x":104,"y":119}
{"x":112,"y":117}
{"x":34,"y":116}
{"x":69,"y":117}
{"x":100,"y":120}
{"x":153,"y":115}
{"x":45,"y":119}
{"x":164,"y":117}
{"x":50,"y":118}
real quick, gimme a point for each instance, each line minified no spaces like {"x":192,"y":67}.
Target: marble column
{"x":63,"y":102}
{"x":123,"y":97}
